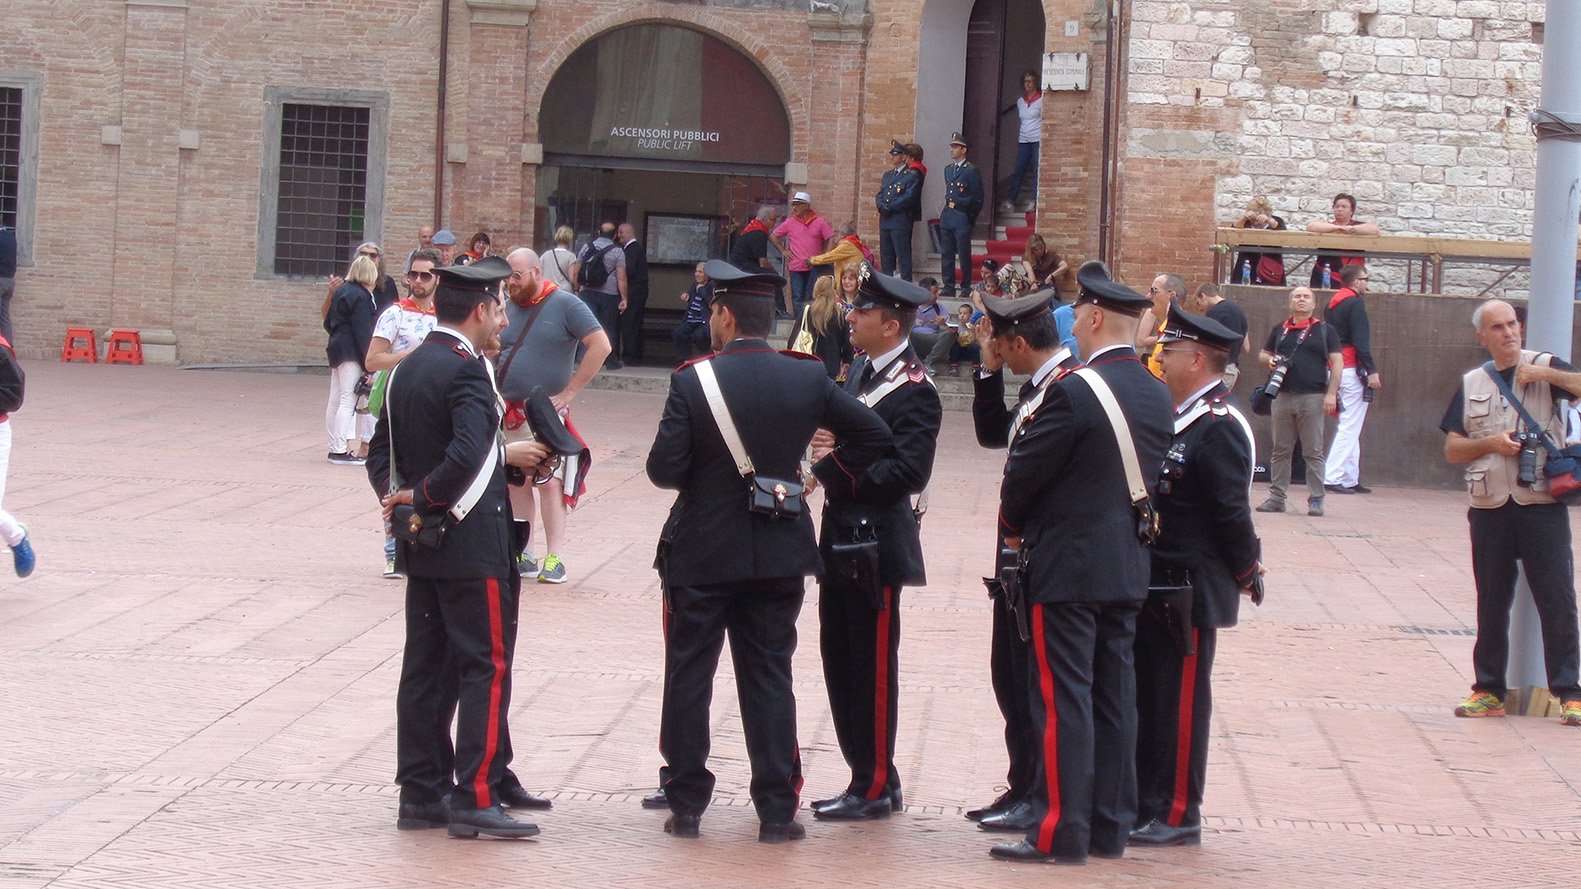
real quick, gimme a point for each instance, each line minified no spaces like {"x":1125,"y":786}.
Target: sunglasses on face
{"x":419,"y":276}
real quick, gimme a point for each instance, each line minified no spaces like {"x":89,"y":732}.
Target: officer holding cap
{"x":732,"y":562}
{"x":1020,"y":334}
{"x":870,"y":514}
{"x":442,"y":412}
{"x":1205,"y":559}
{"x":1073,"y":504}
{"x":963,"y":200}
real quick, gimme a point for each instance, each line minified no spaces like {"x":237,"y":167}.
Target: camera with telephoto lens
{"x":1276,"y":376}
{"x":1528,"y":471}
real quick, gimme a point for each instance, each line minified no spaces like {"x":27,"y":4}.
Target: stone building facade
{"x":151,"y":132}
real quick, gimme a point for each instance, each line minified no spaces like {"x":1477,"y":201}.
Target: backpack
{"x":594,"y":273}
{"x":12,"y":380}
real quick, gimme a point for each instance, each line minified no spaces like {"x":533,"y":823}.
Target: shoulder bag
{"x":1563,"y":468}
{"x":1146,"y":518}
{"x":776,"y":498}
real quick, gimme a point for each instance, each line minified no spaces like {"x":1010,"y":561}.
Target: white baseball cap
{"x":801,"y":197}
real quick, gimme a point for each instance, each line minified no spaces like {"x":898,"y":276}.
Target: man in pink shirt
{"x":809,"y":235}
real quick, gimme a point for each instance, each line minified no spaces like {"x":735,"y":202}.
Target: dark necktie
{"x":866,"y":379}
{"x":1026,"y":390}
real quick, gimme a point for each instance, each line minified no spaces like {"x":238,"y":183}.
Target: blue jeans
{"x":1026,"y":162}
{"x":955,"y":244}
{"x":801,"y":289}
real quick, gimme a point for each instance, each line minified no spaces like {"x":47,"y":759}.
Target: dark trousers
{"x":472,"y":622}
{"x":1538,"y":536}
{"x":1026,"y":162}
{"x":861,"y":664}
{"x":894,"y":250}
{"x":801,"y":290}
{"x":1084,"y":709}
{"x":760,"y":618}
{"x":1009,"y":671}
{"x":630,"y":348}
{"x":606,"y":308}
{"x":7,"y":290}
{"x":690,"y":338}
{"x":1174,"y":700}
{"x":955,"y":248}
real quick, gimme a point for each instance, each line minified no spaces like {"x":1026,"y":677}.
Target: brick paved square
{"x":197,"y":687}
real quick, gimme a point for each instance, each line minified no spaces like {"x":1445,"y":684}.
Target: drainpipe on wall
{"x":1113,"y":59}
{"x":439,"y":125}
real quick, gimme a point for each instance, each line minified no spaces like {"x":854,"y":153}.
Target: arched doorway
{"x":666,"y":127}
{"x":1004,"y":39}
{"x":971,"y":56}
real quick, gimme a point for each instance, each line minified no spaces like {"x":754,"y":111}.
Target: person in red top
{"x":803,"y":235}
{"x":1360,"y":379}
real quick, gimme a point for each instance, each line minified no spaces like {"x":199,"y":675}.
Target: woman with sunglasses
{"x":399,"y":330}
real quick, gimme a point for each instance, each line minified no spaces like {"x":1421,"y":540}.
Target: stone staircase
{"x":1009,"y":241}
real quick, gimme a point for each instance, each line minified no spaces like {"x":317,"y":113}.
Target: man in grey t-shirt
{"x":608,"y":300}
{"x":546,"y":359}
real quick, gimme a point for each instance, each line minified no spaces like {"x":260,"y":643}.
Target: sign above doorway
{"x":1065,"y":71}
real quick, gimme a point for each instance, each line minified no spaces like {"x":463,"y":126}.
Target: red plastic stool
{"x":80,"y":345}
{"x":124,"y":347}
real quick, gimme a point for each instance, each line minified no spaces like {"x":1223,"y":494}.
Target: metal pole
{"x":1550,"y":313}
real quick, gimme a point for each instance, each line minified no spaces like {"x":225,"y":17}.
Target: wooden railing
{"x":1425,"y":257}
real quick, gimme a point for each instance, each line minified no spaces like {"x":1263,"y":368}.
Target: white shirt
{"x":1031,"y":114}
{"x":1094,"y":356}
{"x":1186,"y":405}
{"x":465,"y":343}
{"x":882,"y":362}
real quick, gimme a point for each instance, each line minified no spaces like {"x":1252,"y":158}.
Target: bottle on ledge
{"x":1328,"y":278}
{"x":1246,"y":271}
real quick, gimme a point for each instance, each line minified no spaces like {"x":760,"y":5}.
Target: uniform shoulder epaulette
{"x":917,"y":372}
{"x":461,"y":351}
{"x":801,"y":355}
{"x":1064,"y":372}
{"x":1219,"y":407}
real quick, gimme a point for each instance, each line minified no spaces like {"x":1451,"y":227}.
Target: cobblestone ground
{"x":197,"y":687}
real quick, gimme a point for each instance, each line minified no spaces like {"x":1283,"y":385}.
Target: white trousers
{"x":1344,"y":455}
{"x":11,"y":530}
{"x":340,"y":418}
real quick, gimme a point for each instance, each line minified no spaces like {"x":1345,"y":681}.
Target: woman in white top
{"x":1029,"y":111}
{"x":557,"y":260}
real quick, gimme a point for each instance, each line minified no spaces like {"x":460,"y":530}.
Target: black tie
{"x":1027,"y":389}
{"x":867,"y":376}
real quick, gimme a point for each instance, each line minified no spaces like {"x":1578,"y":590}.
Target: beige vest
{"x":1491,"y":478}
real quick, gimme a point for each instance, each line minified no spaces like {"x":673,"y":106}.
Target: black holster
{"x":856,"y":562}
{"x":1169,"y":600}
{"x":1012,"y":583}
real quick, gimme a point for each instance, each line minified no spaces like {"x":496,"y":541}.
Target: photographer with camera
{"x":1513,"y":515}
{"x":1304,"y":359}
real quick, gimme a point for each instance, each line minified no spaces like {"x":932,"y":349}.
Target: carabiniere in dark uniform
{"x":729,"y":562}
{"x":1083,"y":536}
{"x":1206,"y":556}
{"x":461,"y":587}
{"x":872,"y":547}
{"x":1024,"y":334}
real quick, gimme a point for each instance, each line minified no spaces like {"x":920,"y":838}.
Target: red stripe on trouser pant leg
{"x":1188,"y":692}
{"x":881,"y":701}
{"x":480,"y":781}
{"x":1050,"y":732}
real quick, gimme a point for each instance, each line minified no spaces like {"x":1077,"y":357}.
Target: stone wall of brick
{"x":1417,"y":107}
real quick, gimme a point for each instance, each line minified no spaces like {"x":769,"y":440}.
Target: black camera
{"x":1528,"y":471}
{"x":1276,"y":376}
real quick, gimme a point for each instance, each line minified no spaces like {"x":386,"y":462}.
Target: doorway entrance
{"x":1004,"y":39}
{"x":672,"y":130}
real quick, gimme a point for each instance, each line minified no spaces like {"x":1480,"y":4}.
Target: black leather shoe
{"x":1360,"y":488}
{"x":788,"y":832}
{"x":821,"y":804}
{"x":897,"y":802}
{"x":1005,"y":801}
{"x":518,"y":798}
{"x":656,"y":800}
{"x":1157,"y":833}
{"x":1021,"y":850}
{"x":1019,"y":818}
{"x":422,"y":816}
{"x":854,"y":808}
{"x":1339,"y":489}
{"x":490,"y":822}
{"x":679,"y":825}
